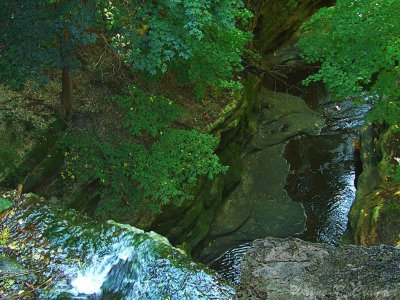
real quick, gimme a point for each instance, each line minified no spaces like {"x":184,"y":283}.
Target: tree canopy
{"x":199,"y":40}
{"x":357,"y":44}
{"x":33,"y":37}
{"x":156,"y":165}
{"x":153,"y":163}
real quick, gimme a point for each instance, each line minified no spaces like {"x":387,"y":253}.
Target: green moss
{"x":375,"y":212}
{"x":41,"y":162}
{"x":232,"y":156}
{"x":190,"y":223}
{"x":393,"y":206}
{"x":378,"y":218}
{"x":277,"y":21}
{"x":15,"y":278}
{"x":389,"y":228}
{"x":347,"y":238}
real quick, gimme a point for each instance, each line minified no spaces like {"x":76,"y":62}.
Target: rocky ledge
{"x":294,"y":269}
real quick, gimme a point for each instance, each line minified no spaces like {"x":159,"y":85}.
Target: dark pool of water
{"x":322,"y":179}
{"x":323,"y":171}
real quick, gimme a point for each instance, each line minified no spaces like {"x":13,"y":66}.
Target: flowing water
{"x":82,"y":259}
{"x":322,"y":178}
{"x":323,"y":171}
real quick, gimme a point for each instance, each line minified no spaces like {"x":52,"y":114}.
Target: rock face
{"x":260,"y":205}
{"x":277,"y":21}
{"x":295,"y":269}
{"x":374,"y":216}
{"x":283,"y":117}
{"x":189,"y":223}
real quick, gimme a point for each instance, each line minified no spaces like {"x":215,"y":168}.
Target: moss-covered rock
{"x":189,"y":223}
{"x":278,"y":21}
{"x":15,"y":278}
{"x":375,"y":214}
{"x":39,"y":163}
{"x":25,"y":119}
{"x":284,"y":116}
{"x":72,"y":256}
{"x":260,"y":206}
{"x":5,"y":204}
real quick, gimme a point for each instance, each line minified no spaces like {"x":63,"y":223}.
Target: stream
{"x":323,"y":171}
{"x":322,"y":177}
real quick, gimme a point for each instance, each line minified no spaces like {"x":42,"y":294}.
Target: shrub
{"x":155,"y":165}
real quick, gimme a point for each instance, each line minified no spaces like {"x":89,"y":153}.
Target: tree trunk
{"x":66,"y":93}
{"x":66,"y":78}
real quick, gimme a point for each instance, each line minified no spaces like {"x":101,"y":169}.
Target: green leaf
{"x":357,"y":46}
{"x":154,"y":166}
{"x":5,"y":204}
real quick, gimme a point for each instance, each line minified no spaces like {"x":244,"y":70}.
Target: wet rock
{"x":77,"y":258}
{"x":14,"y":279}
{"x":374,"y":216}
{"x":284,"y":116}
{"x":294,"y":269}
{"x":260,"y":205}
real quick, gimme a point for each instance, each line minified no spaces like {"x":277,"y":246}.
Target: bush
{"x":153,"y":166}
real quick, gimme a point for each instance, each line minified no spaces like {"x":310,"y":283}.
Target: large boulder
{"x":294,"y":269}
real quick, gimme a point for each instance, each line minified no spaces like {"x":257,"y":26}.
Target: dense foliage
{"x":357,"y":44}
{"x":32,"y":38}
{"x":199,"y":40}
{"x":154,"y":165}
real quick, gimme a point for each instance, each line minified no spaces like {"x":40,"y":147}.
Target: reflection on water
{"x":323,"y":171}
{"x":322,"y":178}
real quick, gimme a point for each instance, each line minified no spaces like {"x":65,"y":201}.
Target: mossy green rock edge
{"x":189,"y":223}
{"x":373,"y":218}
{"x":58,"y":242}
